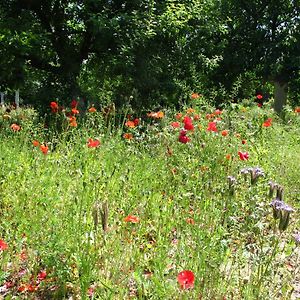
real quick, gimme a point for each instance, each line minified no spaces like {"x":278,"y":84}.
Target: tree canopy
{"x":157,"y":49}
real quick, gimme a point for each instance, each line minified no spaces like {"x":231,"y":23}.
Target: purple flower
{"x":276,"y":205}
{"x":285,"y":216}
{"x":232,"y":182}
{"x":255,"y":174}
{"x":297,"y":238}
{"x":279,"y":192}
{"x":273,"y":186}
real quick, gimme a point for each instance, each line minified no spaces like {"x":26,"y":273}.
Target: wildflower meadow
{"x":196,"y":203}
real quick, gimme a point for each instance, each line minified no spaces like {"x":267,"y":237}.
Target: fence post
{"x":2,"y":98}
{"x":17,"y":98}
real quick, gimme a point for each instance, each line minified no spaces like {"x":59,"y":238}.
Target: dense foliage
{"x":148,"y":52}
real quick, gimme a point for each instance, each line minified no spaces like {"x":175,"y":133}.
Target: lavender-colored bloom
{"x":279,"y":192}
{"x":277,"y":204}
{"x":297,"y":238}
{"x":232,"y":181}
{"x":285,"y":216}
{"x":245,"y":171}
{"x":255,"y":174}
{"x":273,"y":186}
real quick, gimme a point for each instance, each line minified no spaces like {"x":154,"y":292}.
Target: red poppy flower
{"x":73,"y":122}
{"x":218,"y":112}
{"x":44,"y":149}
{"x":3,"y":245}
{"x":297,"y":109}
{"x":74,"y":103}
{"x":156,"y":115}
{"x":195,"y":96}
{"x":91,"y":291}
{"x":93,"y":143}
{"x":8,"y":284}
{"x":212,"y":126}
{"x":190,"y":111}
{"x":224,"y":132}
{"x":175,"y":124}
{"x":35,"y":143}
{"x":178,"y":116}
{"x":186,"y":279}
{"x":188,"y":126}
{"x":196,"y":117}
{"x":243,"y":155}
{"x":92,"y":109}
{"x":259,"y":104}
{"x":54,"y":107}
{"x":183,"y":138}
{"x":42,"y":275}
{"x":128,"y":136}
{"x":259,"y":96}
{"x":129,"y":124}
{"x":23,"y":255}
{"x":27,"y":288}
{"x":244,"y":142}
{"x":136,"y":121}
{"x":190,"y":221}
{"x":267,"y":123}
{"x":228,"y":156}
{"x":15,"y":127}
{"x":132,"y":219}
{"x":75,"y":111}
{"x":31,"y":288}
{"x":22,"y":288}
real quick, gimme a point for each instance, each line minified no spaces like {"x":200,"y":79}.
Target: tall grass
{"x":190,"y":217}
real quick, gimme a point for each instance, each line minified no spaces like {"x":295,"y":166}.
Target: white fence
{"x":17,"y":98}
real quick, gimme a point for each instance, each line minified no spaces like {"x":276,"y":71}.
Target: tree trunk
{"x":280,"y":95}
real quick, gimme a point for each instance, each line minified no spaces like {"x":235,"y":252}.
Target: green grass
{"x":51,"y":207}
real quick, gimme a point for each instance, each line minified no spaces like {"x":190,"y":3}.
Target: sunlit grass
{"x":188,"y":218}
